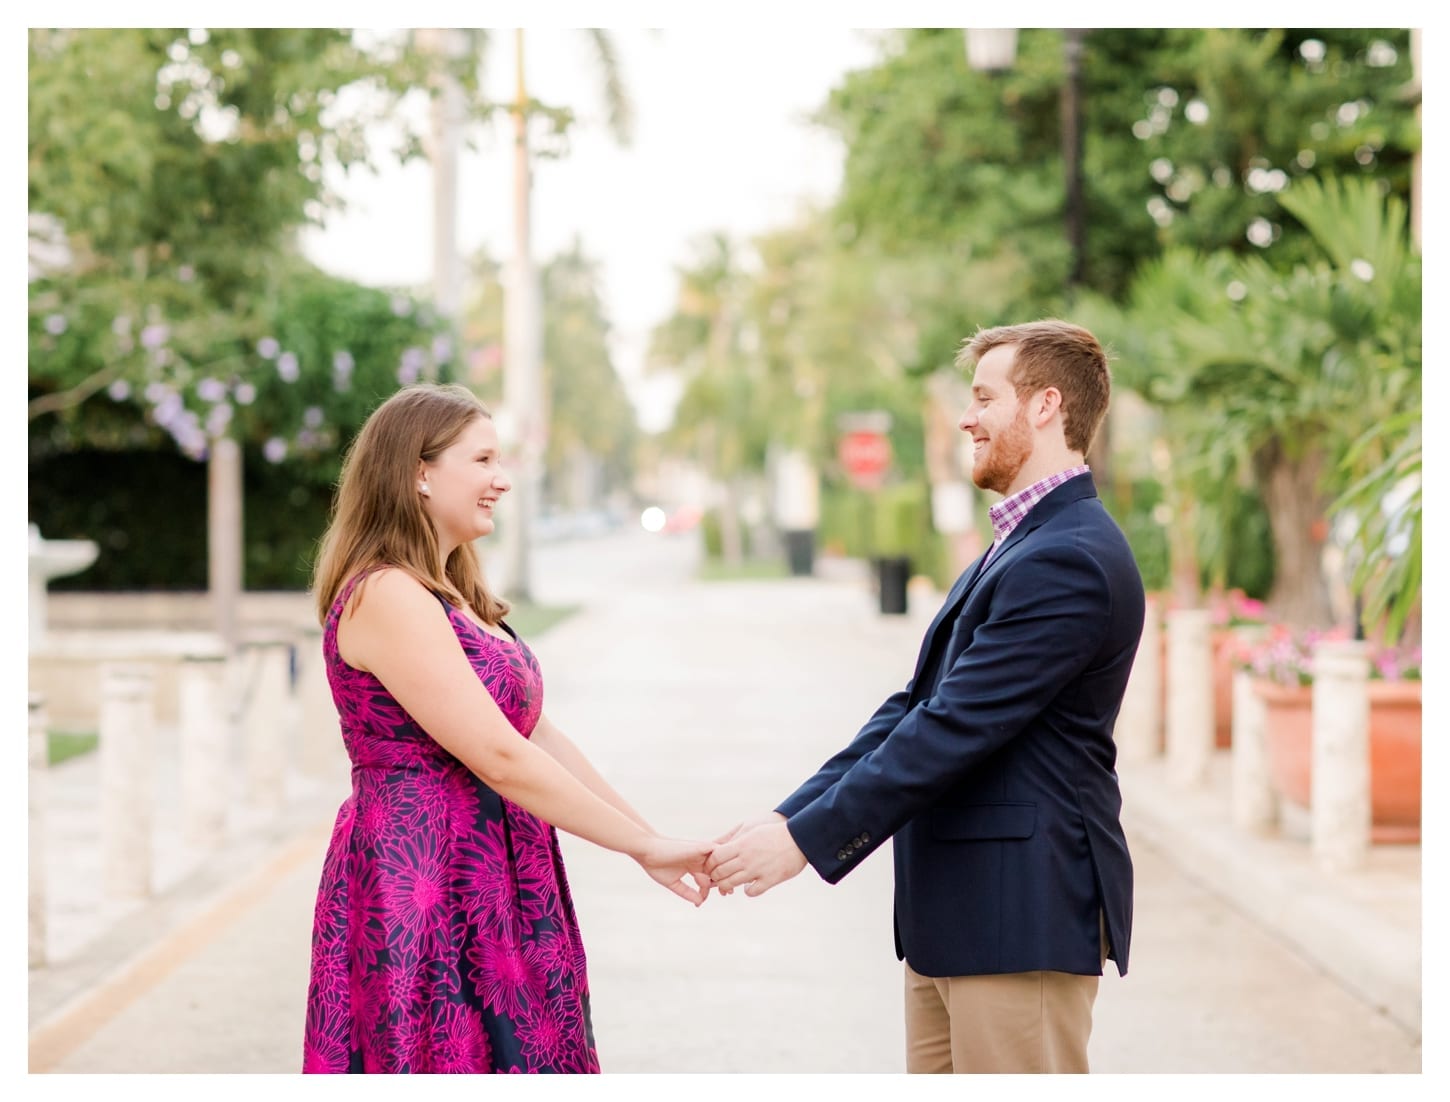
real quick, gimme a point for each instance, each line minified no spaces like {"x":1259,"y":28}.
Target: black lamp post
{"x":995,"y":50}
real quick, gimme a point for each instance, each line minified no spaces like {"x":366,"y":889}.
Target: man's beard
{"x":1007,"y":452}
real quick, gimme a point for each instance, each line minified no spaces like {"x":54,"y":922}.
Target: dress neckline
{"x":512,"y":636}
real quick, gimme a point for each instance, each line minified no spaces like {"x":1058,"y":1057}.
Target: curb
{"x":1276,"y":884}
{"x":69,"y":1025}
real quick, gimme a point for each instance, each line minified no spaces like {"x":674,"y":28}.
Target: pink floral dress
{"x":444,"y":938}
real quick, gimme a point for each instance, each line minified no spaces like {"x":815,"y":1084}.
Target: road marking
{"x":58,"y":1038}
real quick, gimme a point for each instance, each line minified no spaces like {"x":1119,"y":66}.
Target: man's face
{"x":997,"y":423}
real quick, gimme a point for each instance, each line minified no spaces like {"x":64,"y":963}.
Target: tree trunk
{"x":1298,"y":508}
{"x":224,"y":550}
{"x":732,"y":546}
{"x":1183,"y":569}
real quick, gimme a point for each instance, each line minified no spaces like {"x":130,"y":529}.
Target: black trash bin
{"x":800,"y":551}
{"x":892,"y":574}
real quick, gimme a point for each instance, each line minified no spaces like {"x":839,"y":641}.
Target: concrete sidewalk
{"x":707,"y":702}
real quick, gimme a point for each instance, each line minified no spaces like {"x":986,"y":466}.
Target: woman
{"x":445,"y":938}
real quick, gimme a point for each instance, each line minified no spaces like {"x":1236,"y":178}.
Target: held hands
{"x":759,"y":854}
{"x":668,"y":860}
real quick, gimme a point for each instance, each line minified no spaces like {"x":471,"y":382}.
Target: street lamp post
{"x":1072,"y":152}
{"x":995,"y":50}
{"x":523,"y":347}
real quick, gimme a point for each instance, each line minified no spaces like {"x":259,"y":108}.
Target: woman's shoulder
{"x":385,"y":588}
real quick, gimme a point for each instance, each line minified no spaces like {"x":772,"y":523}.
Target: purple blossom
{"x":401,"y":306}
{"x":275,"y":450}
{"x":188,"y":434}
{"x":155,"y":392}
{"x":442,"y":349}
{"x":312,"y":416}
{"x":245,"y":394}
{"x":218,"y":419}
{"x":186,"y":273}
{"x":169,"y":410}
{"x":411,"y":365}
{"x":287,"y":367}
{"x":55,"y":324}
{"x":119,"y":391}
{"x":154,"y":336}
{"x":268,"y":348}
{"x":307,"y":439}
{"x":121,"y":325}
{"x":342,"y":362}
{"x":211,"y":390}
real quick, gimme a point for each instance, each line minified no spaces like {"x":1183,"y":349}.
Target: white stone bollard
{"x":320,"y":738}
{"x":267,"y":721}
{"x":1189,"y":731}
{"x":1255,"y":803}
{"x":127,"y":750}
{"x":202,"y":714}
{"x":38,"y":794}
{"x":1139,"y":730}
{"x":1339,"y":803}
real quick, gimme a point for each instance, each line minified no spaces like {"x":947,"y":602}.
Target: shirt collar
{"x":1008,"y":513}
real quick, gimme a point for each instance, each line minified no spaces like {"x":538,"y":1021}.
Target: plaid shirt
{"x":1008,"y":513}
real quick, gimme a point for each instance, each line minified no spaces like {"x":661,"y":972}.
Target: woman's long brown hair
{"x":378,"y":517}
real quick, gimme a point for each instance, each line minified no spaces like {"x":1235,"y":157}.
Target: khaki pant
{"x":1014,"y":1023}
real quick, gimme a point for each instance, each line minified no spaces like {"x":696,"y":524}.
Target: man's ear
{"x":1047,"y":403}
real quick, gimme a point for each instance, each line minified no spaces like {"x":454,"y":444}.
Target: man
{"x":994,"y":767}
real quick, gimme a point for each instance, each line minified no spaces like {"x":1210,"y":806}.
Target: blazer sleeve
{"x":1048,"y":615}
{"x":881,"y":723}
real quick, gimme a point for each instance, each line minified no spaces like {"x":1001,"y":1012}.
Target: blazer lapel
{"x":1043,"y":511}
{"x":948,"y":609}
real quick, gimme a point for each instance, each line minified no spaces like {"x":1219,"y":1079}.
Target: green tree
{"x":169,"y":173}
{"x":1178,"y":149}
{"x":1273,"y":377}
{"x":704,"y":340}
{"x":592,"y":427}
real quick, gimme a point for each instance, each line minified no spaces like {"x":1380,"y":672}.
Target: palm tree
{"x":523,"y":327}
{"x":1273,"y":376}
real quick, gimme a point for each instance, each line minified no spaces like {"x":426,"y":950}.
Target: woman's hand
{"x":669,"y":860}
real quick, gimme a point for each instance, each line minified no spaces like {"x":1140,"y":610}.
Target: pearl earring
{"x":423,"y":488}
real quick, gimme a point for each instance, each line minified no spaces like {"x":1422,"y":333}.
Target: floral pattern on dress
{"x":444,"y":936}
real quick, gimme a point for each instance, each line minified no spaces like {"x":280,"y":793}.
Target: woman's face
{"x":465,"y":482}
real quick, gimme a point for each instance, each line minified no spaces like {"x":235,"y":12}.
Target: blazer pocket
{"x":984,"y":821}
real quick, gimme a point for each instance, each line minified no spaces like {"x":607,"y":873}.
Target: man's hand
{"x":759,"y":858}
{"x":750,"y":824}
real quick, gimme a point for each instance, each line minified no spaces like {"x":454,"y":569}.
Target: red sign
{"x":866,"y":457}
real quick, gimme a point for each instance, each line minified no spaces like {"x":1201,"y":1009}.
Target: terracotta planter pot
{"x":1222,"y":641}
{"x":1394,"y":752}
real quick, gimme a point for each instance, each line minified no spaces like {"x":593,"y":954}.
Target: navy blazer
{"x":994,"y":767}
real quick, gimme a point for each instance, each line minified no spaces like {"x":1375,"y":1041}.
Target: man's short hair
{"x":1052,"y":353}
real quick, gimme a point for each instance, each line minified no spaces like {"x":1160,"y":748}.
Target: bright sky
{"x":721,"y":142}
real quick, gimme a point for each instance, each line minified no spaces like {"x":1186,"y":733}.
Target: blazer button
{"x":865,"y":838}
{"x":841,"y":855}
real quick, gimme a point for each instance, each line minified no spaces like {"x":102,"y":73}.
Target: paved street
{"x":704,"y":702}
